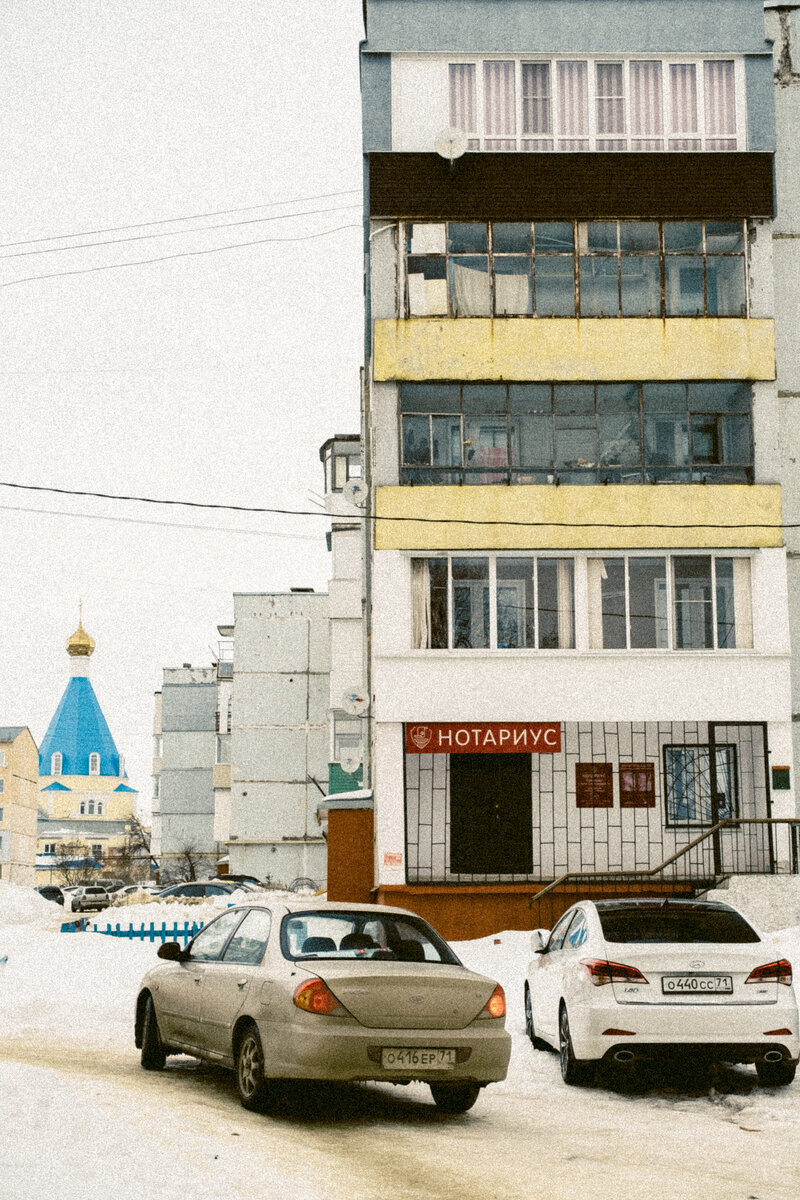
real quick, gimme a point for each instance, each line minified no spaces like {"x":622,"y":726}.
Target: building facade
{"x":86,"y":802}
{"x":19,"y":779}
{"x":579,"y":650}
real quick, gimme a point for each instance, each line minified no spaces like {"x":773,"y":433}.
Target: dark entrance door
{"x":491,"y":814}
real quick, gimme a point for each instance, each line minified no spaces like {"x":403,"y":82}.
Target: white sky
{"x":210,"y":378}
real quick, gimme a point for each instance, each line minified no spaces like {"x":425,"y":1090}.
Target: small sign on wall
{"x":781,"y":779}
{"x":392,"y":859}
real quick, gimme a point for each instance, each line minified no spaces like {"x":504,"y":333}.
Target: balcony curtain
{"x":720,"y":100}
{"x":463,"y":99}
{"x":499,"y":106}
{"x":420,"y":604}
{"x":536,"y":115}
{"x":647,"y":120}
{"x":573,"y":105}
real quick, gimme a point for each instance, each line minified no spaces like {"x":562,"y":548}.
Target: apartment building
{"x":19,"y":786}
{"x":579,"y":649}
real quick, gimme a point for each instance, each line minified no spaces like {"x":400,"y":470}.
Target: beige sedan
{"x":308,"y":990}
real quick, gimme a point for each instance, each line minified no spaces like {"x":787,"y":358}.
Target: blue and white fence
{"x":142,"y":933}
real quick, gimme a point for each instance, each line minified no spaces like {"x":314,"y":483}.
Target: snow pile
{"x":24,"y":906}
{"x":769,"y":901}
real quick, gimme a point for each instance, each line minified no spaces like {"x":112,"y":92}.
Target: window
{"x":629,"y":609}
{"x":640,"y":105}
{"x":83,"y":808}
{"x":210,"y":942}
{"x":594,"y":785}
{"x":3,"y":758}
{"x":556,"y":939}
{"x":674,"y":923}
{"x":340,"y":466}
{"x":692,"y":797}
{"x":1,"y":814}
{"x":49,"y":847}
{"x":97,"y":851}
{"x":156,"y":786}
{"x":250,"y":940}
{"x":94,"y":764}
{"x":637,"y":785}
{"x":99,"y":808}
{"x":479,"y":433}
{"x":56,"y":761}
{"x":498,"y":603}
{"x":223,"y":748}
{"x":584,"y":268}
{"x":2,"y":786}
{"x":578,"y":932}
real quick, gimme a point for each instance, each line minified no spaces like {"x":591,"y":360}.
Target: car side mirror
{"x":539,"y":939}
{"x":172,"y":951}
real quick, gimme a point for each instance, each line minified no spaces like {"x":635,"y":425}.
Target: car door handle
{"x":198,"y":978}
{"x":242,"y":983}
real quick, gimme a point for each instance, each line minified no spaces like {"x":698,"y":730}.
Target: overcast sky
{"x":213,"y":377}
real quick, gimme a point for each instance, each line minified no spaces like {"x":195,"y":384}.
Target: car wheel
{"x":775,"y":1074}
{"x":454,"y":1097}
{"x":572,"y":1071}
{"x":253,"y":1088}
{"x":153,"y":1053}
{"x":536,"y":1042}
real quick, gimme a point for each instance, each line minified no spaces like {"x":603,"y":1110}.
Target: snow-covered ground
{"x":82,"y":1121}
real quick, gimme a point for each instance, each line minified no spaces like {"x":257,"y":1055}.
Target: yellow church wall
{"x":627,"y":348}
{"x":117,"y":806}
{"x":575,"y":518}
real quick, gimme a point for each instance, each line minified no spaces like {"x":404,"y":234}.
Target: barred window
{"x":692,"y":797}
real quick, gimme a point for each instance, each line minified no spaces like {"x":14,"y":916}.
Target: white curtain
{"x":566,"y":620}
{"x":536,"y":111}
{"x":463,"y":97}
{"x":647,"y":121}
{"x":470,"y":291}
{"x":720,"y":99}
{"x":683,"y":97}
{"x":499,"y":100}
{"x":420,"y":604}
{"x":512,"y":295}
{"x":573,"y":105}
{"x":610,"y":105}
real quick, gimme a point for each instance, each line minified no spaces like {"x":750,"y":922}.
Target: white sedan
{"x":309,"y":990}
{"x":628,"y":980}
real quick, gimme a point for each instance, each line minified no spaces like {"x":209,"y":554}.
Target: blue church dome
{"x":78,"y":728}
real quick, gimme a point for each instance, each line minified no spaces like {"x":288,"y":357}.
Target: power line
{"x":143,"y":237}
{"x":57,"y":512}
{"x":375,"y":517}
{"x":140,"y":262}
{"x":220,"y":212}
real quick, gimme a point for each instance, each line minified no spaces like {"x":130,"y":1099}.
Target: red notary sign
{"x":495,"y":737}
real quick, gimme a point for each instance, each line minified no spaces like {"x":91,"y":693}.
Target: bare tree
{"x":75,"y":863}
{"x":188,"y":863}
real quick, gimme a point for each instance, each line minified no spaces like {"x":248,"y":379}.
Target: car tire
{"x":253,"y":1088}
{"x":775,"y":1074}
{"x":530,"y":1030}
{"x":154,"y":1056}
{"x":454,"y":1097}
{"x":573,"y":1071}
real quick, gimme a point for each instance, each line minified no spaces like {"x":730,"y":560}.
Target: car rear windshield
{"x":675,"y":923}
{"x":358,"y":935}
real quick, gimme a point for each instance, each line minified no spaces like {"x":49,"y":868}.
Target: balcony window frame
{"x":673,"y":136}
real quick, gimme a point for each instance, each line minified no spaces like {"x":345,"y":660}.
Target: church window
{"x":91,"y":808}
{"x":99,"y":808}
{"x":83,"y":808}
{"x":56,"y":762}
{"x":94,"y":764}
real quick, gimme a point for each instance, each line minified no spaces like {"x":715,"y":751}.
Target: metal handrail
{"x":650,"y":871}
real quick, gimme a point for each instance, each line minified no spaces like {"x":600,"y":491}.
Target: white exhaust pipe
{"x":773,"y":1056}
{"x":624,"y":1056}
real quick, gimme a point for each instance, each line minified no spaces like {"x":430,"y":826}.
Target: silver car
{"x":305,"y":990}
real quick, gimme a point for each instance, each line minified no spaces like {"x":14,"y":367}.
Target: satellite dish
{"x":355,"y":491}
{"x":450,"y":143}
{"x":351,"y":761}
{"x":355,"y":702}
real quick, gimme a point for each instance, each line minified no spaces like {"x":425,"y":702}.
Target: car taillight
{"x":316,"y":997}
{"x":601,"y":971}
{"x":780,"y":971}
{"x":495,"y":1006}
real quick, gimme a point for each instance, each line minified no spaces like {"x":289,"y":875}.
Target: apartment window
{"x":340,"y":467}
{"x":49,"y":848}
{"x":498,"y":603}
{"x":594,"y":785}
{"x":94,"y":764}
{"x":97,"y":851}
{"x":1,"y":814}
{"x":637,"y":785}
{"x":83,"y":808}
{"x":692,"y":797}
{"x":578,"y":105}
{"x":567,"y":269}
{"x":681,"y":601}
{"x":576,"y":433}
{"x":56,"y":762}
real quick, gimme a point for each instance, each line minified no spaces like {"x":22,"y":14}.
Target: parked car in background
{"x":90,"y":898}
{"x":135,"y":889}
{"x":304,"y":990}
{"x":631,"y":980}
{"x":51,"y":892}
{"x":198,"y":888}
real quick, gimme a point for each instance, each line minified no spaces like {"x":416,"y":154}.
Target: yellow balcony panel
{"x":626,"y":348}
{"x":222,"y":775}
{"x":544,"y":517}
